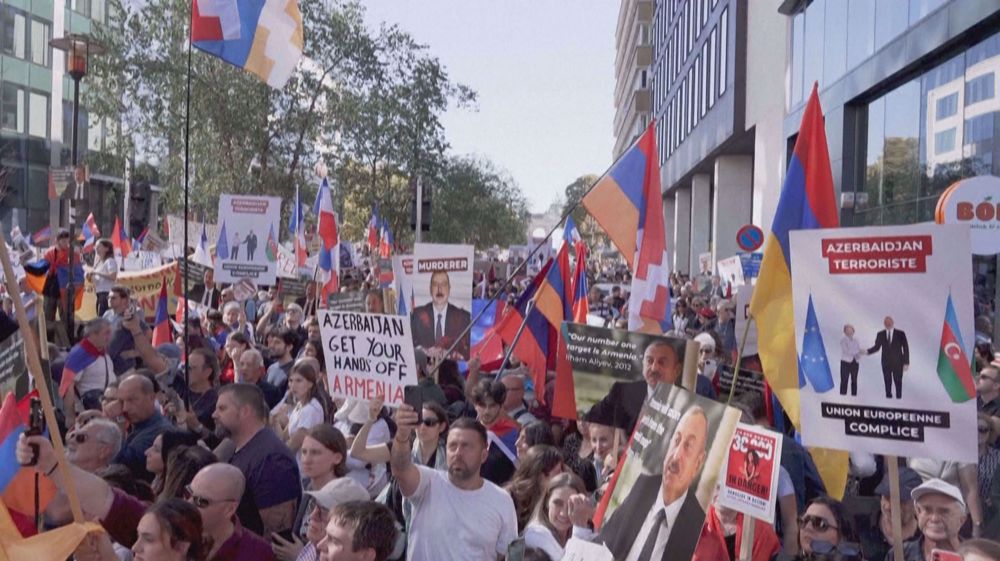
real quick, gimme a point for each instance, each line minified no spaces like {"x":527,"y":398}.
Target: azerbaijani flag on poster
{"x":263,"y":37}
{"x":954,"y":367}
{"x":272,"y":246}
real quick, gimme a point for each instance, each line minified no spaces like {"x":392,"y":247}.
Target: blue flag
{"x":813,"y":365}
{"x":222,"y":246}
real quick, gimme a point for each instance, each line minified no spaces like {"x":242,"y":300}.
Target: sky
{"x":544,"y":74}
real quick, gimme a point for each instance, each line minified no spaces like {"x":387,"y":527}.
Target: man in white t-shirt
{"x":476,"y":516}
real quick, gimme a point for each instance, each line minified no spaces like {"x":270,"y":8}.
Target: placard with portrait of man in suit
{"x":658,"y":505}
{"x":442,"y":294}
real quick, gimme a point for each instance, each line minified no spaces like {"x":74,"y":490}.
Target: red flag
{"x":162,"y":332}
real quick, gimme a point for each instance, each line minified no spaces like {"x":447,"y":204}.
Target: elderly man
{"x":940,"y":515}
{"x":514,"y":404}
{"x":215,"y":491}
{"x":660,"y":363}
{"x":266,"y":462}
{"x":251,"y":368}
{"x":88,"y":370}
{"x":671,"y":514}
{"x":91,"y":447}
{"x":138,"y":398}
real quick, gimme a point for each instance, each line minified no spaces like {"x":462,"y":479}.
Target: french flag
{"x":373,"y":230}
{"x":329,"y":250}
{"x":90,"y":233}
{"x":297,"y":227}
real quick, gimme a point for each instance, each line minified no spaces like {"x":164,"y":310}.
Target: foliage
{"x":590,"y":230}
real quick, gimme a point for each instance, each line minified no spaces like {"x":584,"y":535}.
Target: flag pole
{"x":736,"y":369}
{"x":517,"y":337}
{"x":187,"y":169}
{"x":517,"y":270}
{"x":35,"y":369}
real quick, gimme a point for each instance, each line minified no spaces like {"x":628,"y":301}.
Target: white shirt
{"x":305,"y":416}
{"x":441,"y":315}
{"x":850,"y":349}
{"x":375,"y":478}
{"x":888,"y":335}
{"x":452,"y":524}
{"x":672,"y":510}
{"x":108,"y":266}
{"x":536,"y":535}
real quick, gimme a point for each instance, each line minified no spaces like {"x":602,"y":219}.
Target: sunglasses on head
{"x":818,"y":523}
{"x":202,"y":502}
{"x":429,"y":422}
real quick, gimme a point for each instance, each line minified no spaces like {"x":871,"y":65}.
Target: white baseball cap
{"x":340,"y":490}
{"x":932,"y":486}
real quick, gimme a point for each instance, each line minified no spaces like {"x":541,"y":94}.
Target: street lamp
{"x":79,"y":48}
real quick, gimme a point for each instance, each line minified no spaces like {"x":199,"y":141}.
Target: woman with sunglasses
{"x":824,"y":527}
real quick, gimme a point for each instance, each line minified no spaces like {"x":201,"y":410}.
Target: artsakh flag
{"x":954,"y":367}
{"x":627,"y":203}
{"x":161,"y":325}
{"x":271,"y":250}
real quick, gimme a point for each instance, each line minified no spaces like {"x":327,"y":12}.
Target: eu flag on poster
{"x":813,"y":365}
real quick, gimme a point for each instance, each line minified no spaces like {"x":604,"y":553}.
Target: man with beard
{"x":272,"y":476}
{"x":137,"y":395}
{"x":661,"y":515}
{"x":660,"y":363}
{"x":439,"y":322}
{"x":478,"y":516}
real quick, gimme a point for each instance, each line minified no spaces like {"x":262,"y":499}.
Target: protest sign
{"x":750,"y":482}
{"x":287,"y":266}
{"x":13,"y":366}
{"x":601,"y":358}
{"x":742,"y":317}
{"x":442,"y":294}
{"x":751,"y":264}
{"x":347,"y":301}
{"x":367,"y":355}
{"x":705,"y":263}
{"x":142,"y":260}
{"x":674,"y":458}
{"x":145,"y":288}
{"x":730,"y":271}
{"x":880,"y":291}
{"x":750,"y":381}
{"x":175,"y":227}
{"x":247,"y":243}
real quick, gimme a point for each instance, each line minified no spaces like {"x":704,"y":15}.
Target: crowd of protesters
{"x":243,"y":454}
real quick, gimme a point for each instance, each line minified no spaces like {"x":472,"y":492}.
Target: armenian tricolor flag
{"x":80,"y":357}
{"x":806,"y":202}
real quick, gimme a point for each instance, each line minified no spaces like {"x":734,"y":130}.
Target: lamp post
{"x":78,"y":47}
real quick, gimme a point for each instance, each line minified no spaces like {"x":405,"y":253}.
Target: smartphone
{"x":36,"y":426}
{"x":414,"y":397}
{"x":515,"y":551}
{"x":942,"y":555}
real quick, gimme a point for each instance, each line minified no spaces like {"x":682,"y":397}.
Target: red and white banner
{"x":750,"y":482}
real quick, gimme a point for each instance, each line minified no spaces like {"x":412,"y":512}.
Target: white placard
{"x":906,"y":291}
{"x":247,"y":242}
{"x":449,"y":269}
{"x":367,"y":355}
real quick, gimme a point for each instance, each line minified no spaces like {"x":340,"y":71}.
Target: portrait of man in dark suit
{"x":76,"y":196}
{"x":621,"y":407}
{"x":439,"y":322}
{"x":661,"y":518}
{"x":895,"y":356}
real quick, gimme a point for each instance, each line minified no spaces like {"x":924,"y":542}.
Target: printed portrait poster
{"x":247,"y":242}
{"x":730,"y":270}
{"x":367,"y":355}
{"x":678,"y":448}
{"x":442,"y":296}
{"x":750,"y":482}
{"x":884,"y":332}
{"x":602,"y":358}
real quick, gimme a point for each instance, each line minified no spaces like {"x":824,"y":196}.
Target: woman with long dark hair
{"x":534,"y":470}
{"x":171,"y":530}
{"x":309,"y":406}
{"x":825,"y":528}
{"x":103,"y":273}
{"x":550,"y":527}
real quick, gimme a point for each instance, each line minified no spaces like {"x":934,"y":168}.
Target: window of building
{"x":980,"y":88}
{"x":944,"y":141}
{"x":38,"y":115}
{"x":890,"y":21}
{"x":704,"y":13}
{"x":712,"y":38}
{"x":705,"y":91}
{"x":723,"y":50}
{"x":978,"y":129}
{"x":860,"y":31}
{"x":12,"y":108}
{"x":13,"y":32}
{"x":946,"y":106}
{"x":798,"y":59}
{"x":835,"y":41}
{"x":920,"y":8}
{"x":40,"y":35}
{"x":82,"y":7}
{"x":698,"y":92}
{"x":815,"y":22}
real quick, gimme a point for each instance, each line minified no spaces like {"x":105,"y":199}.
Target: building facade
{"x":909,"y":92}
{"x":718,"y":105}
{"x":633,"y":56}
{"x":36,"y":112}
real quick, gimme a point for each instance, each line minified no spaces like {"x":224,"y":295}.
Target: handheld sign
{"x":750,"y":482}
{"x":367,"y":355}
{"x":749,"y":237}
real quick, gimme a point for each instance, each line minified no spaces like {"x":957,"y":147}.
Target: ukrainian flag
{"x":807,"y":202}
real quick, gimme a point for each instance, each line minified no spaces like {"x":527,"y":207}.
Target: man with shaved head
{"x":215,"y":491}
{"x":137,"y":395}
